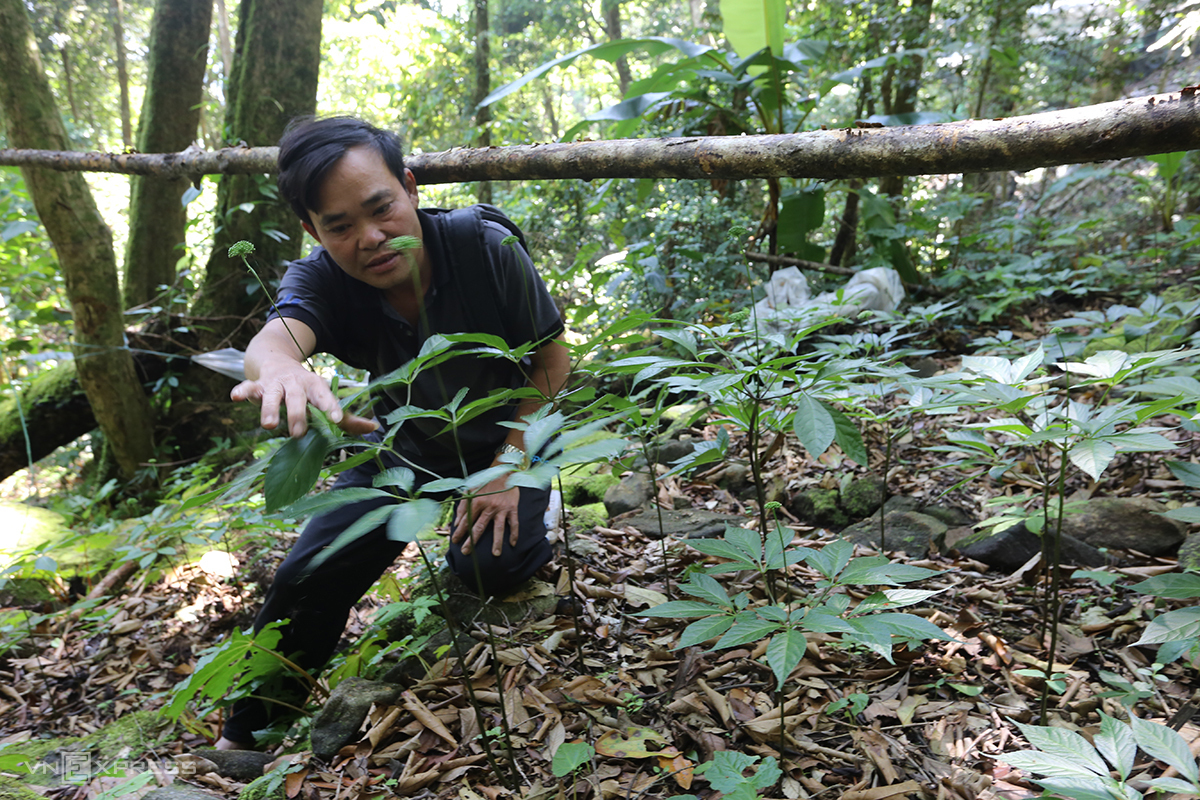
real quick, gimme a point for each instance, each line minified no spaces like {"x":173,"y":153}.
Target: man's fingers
{"x":498,"y":535}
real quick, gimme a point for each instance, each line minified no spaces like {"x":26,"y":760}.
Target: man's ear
{"x":308,"y":226}
{"x":410,"y":185}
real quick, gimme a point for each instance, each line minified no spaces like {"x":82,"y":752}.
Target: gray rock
{"x":666,"y":451}
{"x":1009,"y":549}
{"x":735,"y":479}
{"x":633,"y":492}
{"x":338,"y":721}
{"x":1126,"y":523}
{"x":238,"y":765}
{"x":180,"y":791}
{"x":863,"y":497}
{"x":269,"y":787}
{"x":818,"y":507}
{"x":908,"y":531}
{"x":684,"y":523}
{"x":950,"y":515}
{"x":1189,"y":553}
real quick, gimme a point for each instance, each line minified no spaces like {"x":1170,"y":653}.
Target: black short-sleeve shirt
{"x":354,"y":322}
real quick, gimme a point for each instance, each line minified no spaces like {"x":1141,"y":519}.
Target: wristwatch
{"x":526,"y":459}
{"x":509,"y":448}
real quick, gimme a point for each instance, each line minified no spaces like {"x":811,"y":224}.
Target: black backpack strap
{"x":466,"y":239}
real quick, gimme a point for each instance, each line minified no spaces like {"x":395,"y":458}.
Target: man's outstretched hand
{"x":297,"y":389}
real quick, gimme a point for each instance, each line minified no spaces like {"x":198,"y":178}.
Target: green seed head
{"x":509,"y":240}
{"x":403,"y":243}
{"x":242,"y":248}
{"x":738,"y":232}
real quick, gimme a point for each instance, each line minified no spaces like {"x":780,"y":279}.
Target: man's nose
{"x":372,"y":237}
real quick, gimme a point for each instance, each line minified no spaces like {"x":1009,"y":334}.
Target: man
{"x":373,"y":306}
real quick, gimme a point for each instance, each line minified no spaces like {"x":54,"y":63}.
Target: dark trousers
{"x":318,"y":602}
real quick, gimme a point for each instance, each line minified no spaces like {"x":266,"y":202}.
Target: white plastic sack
{"x":787,"y":303}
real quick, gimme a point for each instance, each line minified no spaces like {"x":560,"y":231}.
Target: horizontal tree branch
{"x":1123,"y":129}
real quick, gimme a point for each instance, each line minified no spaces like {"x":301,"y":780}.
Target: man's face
{"x":362,"y":206}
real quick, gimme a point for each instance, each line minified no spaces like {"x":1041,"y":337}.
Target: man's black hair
{"x":310,"y":147}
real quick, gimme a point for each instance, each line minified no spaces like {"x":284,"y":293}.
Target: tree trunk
{"x":276,"y":60}
{"x":483,"y":87}
{"x":223,"y":38}
{"x":65,"y":53}
{"x":906,"y":84}
{"x":118,"y":24}
{"x":844,"y":243}
{"x":1140,"y":126}
{"x":612,"y":27}
{"x":83,"y":244}
{"x":170,"y":116}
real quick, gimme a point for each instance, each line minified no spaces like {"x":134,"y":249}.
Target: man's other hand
{"x":494,"y":507}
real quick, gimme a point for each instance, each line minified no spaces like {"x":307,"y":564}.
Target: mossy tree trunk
{"x":275,"y":66}
{"x":83,"y":244}
{"x":170,"y":117}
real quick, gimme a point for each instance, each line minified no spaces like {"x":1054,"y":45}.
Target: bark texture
{"x":170,"y":116}
{"x":483,"y":87}
{"x":276,"y":60}
{"x":83,"y":244}
{"x":1139,"y":126}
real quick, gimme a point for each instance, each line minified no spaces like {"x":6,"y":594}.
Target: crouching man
{"x":373,"y":307}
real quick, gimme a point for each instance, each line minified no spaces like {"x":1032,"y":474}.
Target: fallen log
{"x":1139,"y":126}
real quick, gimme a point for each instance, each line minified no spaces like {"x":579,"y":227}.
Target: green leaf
{"x":848,"y":437}
{"x":570,"y":756}
{"x":333,"y":499}
{"x":703,"y":630}
{"x":784,"y":653}
{"x":1187,"y":472}
{"x":1173,"y":626}
{"x":1092,"y":456}
{"x":752,"y":25}
{"x":1167,"y":164}
{"x":799,"y":213}
{"x":294,"y":469}
{"x":361,"y":527}
{"x":682,"y":609}
{"x":1104,"y":364}
{"x":747,"y":627}
{"x":236,"y":662}
{"x":831,"y":559}
{"x":410,"y":519}
{"x":707,"y":588}
{"x":402,"y":478}
{"x":910,"y":626}
{"x":1176,"y":586}
{"x":1188,"y":514}
{"x":1164,"y":744}
{"x":605,"y":51}
{"x":720,"y":548}
{"x":1175,"y":785}
{"x":16,"y":762}
{"x":1116,"y":743}
{"x":443,"y":485}
{"x":878,"y":570}
{"x":813,"y":424}
{"x":1065,"y":744}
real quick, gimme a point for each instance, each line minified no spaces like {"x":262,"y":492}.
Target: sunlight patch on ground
{"x":23,"y":527}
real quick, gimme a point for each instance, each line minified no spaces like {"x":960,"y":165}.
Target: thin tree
{"x":83,"y":244}
{"x":277,"y":57}
{"x":170,"y":116}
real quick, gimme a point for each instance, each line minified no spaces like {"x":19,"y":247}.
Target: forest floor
{"x":934,"y":721}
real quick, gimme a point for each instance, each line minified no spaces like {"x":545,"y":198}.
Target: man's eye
{"x":383,"y":209}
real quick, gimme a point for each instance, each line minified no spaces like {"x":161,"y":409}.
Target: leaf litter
{"x":934,"y":722}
